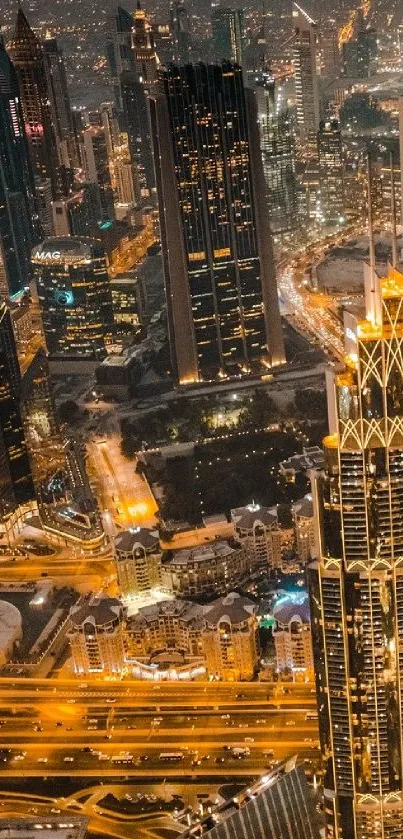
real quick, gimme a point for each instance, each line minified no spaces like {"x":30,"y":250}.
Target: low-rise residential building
{"x":230,"y":639}
{"x":96,"y":635}
{"x":138,"y":560}
{"x":257,"y":528}
{"x":292,"y":636}
{"x":304,"y":527}
{"x":208,"y":569}
{"x":166,"y":626}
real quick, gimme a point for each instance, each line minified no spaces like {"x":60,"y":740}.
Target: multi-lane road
{"x":67,"y":727}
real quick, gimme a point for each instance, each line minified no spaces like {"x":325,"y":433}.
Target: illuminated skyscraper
{"x":218,"y":262}
{"x":145,"y":57}
{"x":17,"y":233}
{"x":16,"y":486}
{"x":331,"y":169}
{"x":357,"y":580}
{"x":306,"y":81}
{"x":74,"y":295}
{"x":277,"y":142}
{"x":28,"y":59}
{"x":227,"y":29}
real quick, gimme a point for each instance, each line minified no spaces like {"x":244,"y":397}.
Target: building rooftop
{"x":142,"y":537}
{"x":182,"y":609}
{"x":64,"y":249}
{"x":98,"y":610}
{"x":245,"y":518}
{"x":304,"y":507}
{"x":10,"y":625}
{"x":290,"y":605}
{"x":233,"y":608}
{"x":45,"y":826}
{"x":218,"y":549}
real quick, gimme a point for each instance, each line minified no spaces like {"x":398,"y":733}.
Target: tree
{"x":259,"y":411}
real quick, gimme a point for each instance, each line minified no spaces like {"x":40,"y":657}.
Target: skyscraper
{"x":145,"y":56}
{"x":359,"y":52}
{"x":17,"y":213}
{"x":277,"y":142}
{"x":97,"y":169}
{"x":28,"y":59}
{"x":59,"y":99}
{"x":74,"y":295}
{"x":118,"y":46}
{"x":16,"y":486}
{"x":181,"y":35}
{"x":218,"y":263}
{"x":357,"y":581}
{"x":227,"y":30}
{"x":135,"y":108}
{"x":306,"y":81}
{"x":277,"y":806}
{"x":331,"y":169}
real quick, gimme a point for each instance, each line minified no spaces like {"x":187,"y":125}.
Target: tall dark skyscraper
{"x":17,"y":212}
{"x":136,"y":86}
{"x":228,"y":33}
{"x":277,"y":141}
{"x":119,"y":47}
{"x":331,"y":169}
{"x":16,"y":486}
{"x":181,"y":34}
{"x":59,"y":100}
{"x":218,"y":261}
{"x":28,"y":59}
{"x":357,"y":581}
{"x":360,"y":51}
{"x":74,"y":295}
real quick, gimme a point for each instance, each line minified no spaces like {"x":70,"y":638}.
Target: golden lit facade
{"x":357,"y":581}
{"x":218,"y":264}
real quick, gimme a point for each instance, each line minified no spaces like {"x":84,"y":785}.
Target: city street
{"x":70,"y":728}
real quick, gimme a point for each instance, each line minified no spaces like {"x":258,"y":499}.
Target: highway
{"x":106,"y":729}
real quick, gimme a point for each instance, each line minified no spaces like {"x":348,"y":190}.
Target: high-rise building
{"x":329,"y":41}
{"x":306,"y":80}
{"x":118,"y":46}
{"x":145,"y":56}
{"x":28,"y":58}
{"x":74,"y":295}
{"x":331,"y":170}
{"x":357,"y":581}
{"x":17,"y":213}
{"x":97,"y":169}
{"x":360,"y":51}
{"x":181,"y":35}
{"x":136,"y":113}
{"x":16,"y":486}
{"x":228,"y":33}
{"x":73,"y":216}
{"x":278,"y":806}
{"x":277,"y":143}
{"x":218,"y":262}
{"x":59,"y":99}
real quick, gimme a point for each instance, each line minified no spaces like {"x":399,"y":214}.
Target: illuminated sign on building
{"x":42,"y":255}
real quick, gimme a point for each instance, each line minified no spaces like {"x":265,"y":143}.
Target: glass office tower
{"x":74,"y":295}
{"x":218,"y":260}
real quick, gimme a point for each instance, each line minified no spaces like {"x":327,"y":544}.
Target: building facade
{"x":74,"y":295}
{"x":173,"y":625}
{"x":331,"y":170}
{"x":227,"y":27}
{"x":278,"y":806}
{"x":18,"y":222}
{"x":220,"y":282}
{"x":306,"y":80}
{"x":96,"y":636}
{"x":16,"y":485}
{"x":138,"y":560}
{"x":258,"y":530}
{"x":97,"y":166}
{"x":28,"y":59}
{"x":292,"y":638}
{"x":357,"y":581}
{"x":230,"y":640}
{"x":208,"y":569}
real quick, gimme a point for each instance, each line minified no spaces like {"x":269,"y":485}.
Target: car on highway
{"x":68,"y":759}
